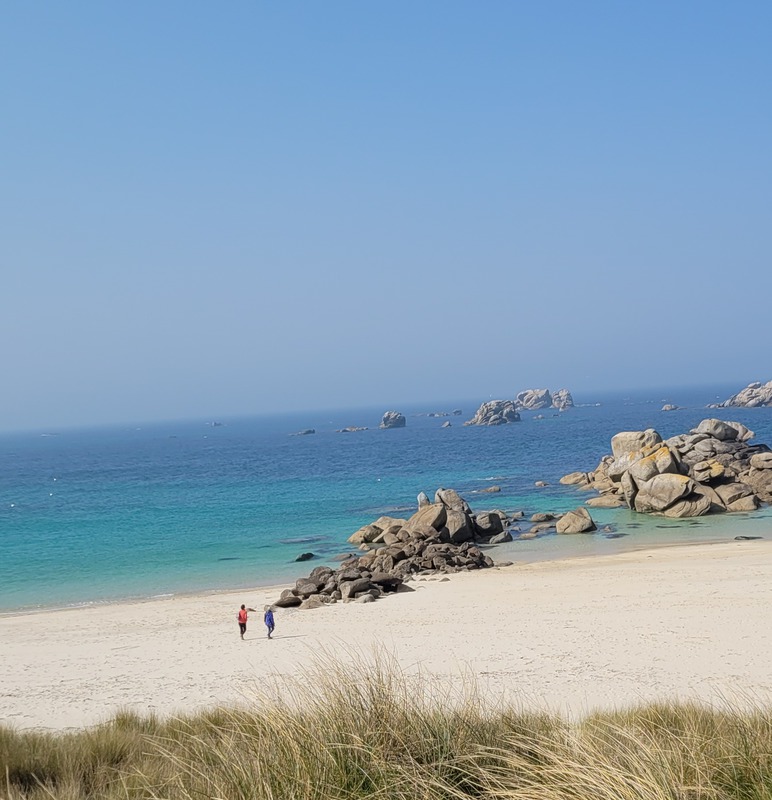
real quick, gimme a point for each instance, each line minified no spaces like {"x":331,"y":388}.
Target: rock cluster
{"x":495,"y":412}
{"x":441,"y":537}
{"x":535,"y":399}
{"x":393,"y":419}
{"x":562,"y":399}
{"x":710,"y":469}
{"x":351,"y":429}
{"x":754,"y":395}
{"x":499,"y":412}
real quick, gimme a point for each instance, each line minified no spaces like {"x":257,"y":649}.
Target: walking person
{"x":268,"y":619}
{"x":242,"y":618}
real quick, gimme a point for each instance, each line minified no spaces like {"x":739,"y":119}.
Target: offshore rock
{"x":393,"y":419}
{"x":495,"y":412}
{"x":562,"y":399}
{"x":755,"y":395}
{"x":533,"y":399}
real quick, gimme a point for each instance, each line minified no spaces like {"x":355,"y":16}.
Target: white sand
{"x":682,"y":622}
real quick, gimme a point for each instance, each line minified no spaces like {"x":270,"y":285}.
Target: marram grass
{"x":363,"y":729}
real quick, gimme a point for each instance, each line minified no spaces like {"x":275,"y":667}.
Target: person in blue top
{"x":268,"y":619}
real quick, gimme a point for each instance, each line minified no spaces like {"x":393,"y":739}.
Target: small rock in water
{"x":305,"y":557}
{"x":541,"y":484}
{"x":746,"y":538}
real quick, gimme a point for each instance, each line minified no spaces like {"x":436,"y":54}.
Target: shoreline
{"x":505,"y":549}
{"x":681,"y":621}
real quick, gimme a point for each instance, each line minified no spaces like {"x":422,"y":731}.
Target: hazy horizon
{"x":213,"y":212}
{"x":652,"y":394}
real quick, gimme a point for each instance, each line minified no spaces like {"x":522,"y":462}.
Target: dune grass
{"x":365,"y":730}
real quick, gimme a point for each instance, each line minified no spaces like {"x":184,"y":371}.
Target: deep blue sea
{"x":141,"y":511}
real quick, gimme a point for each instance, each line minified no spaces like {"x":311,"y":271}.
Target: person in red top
{"x":242,"y":618}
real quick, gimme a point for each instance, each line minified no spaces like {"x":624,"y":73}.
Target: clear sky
{"x":211,"y":209}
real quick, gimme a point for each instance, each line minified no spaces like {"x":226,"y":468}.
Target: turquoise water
{"x":104,"y":514}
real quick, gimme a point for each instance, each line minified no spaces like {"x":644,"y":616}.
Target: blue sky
{"x":219,"y":209}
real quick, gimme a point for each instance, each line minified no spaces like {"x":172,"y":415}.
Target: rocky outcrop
{"x":536,"y":399}
{"x":533,"y":399}
{"x":440,"y":537}
{"x":351,"y":429}
{"x":393,"y":419}
{"x":500,"y":412}
{"x":711,"y":469}
{"x":754,"y":395}
{"x":562,"y":400}
{"x":306,"y":432}
{"x":495,"y":412}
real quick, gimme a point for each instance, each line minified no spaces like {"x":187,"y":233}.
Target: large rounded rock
{"x":488,"y":523}
{"x":305,"y":587}
{"x":450,"y":498}
{"x":349,"y":588}
{"x":747,"y":503}
{"x":458,"y":526}
{"x":576,"y":521}
{"x":658,"y":462}
{"x":432,"y":515}
{"x":288,"y":599}
{"x":366,"y":534}
{"x":605,"y":501}
{"x":662,"y":491}
{"x":761,"y":461}
{"x":718,"y":429}
{"x":731,"y":492}
{"x":695,"y":505}
{"x":575,"y":479}
{"x":626,"y":442}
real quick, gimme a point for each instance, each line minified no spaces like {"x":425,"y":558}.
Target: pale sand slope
{"x":684,"y":622}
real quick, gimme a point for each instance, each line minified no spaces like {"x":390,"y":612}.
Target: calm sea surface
{"x":98,"y":515}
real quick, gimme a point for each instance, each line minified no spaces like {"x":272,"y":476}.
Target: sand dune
{"x":681,"y":622}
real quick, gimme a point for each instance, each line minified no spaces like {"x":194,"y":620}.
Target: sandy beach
{"x":687,"y":622}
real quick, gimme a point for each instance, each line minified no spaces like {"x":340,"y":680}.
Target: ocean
{"x":128,"y":512}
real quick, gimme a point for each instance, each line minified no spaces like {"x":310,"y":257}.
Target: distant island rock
{"x":562,"y":399}
{"x":537,"y":399}
{"x":500,"y":412}
{"x":533,"y":399}
{"x":350,"y":429}
{"x":306,"y":432}
{"x":754,"y":395}
{"x":393,"y":419}
{"x":495,"y":412}
{"x":711,"y":469}
{"x":671,"y":407}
